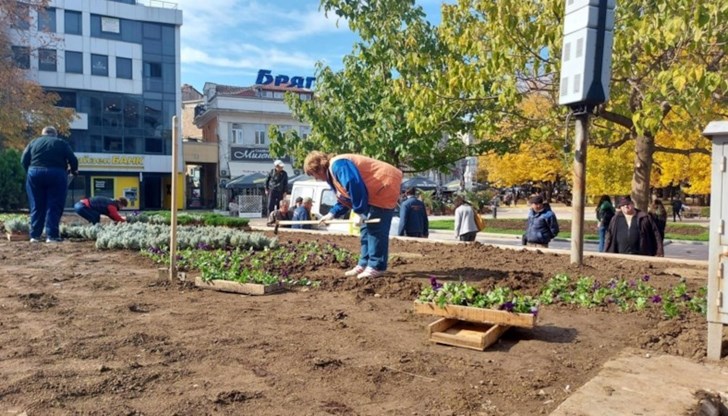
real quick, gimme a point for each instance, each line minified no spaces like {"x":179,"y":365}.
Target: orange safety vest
{"x":382,"y":180}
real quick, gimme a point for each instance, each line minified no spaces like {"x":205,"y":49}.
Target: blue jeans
{"x":602,"y":238}
{"x":89,"y":214}
{"x":375,"y":239}
{"x":46,"y":188}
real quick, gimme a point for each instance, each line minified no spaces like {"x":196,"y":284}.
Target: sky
{"x":229,"y":41}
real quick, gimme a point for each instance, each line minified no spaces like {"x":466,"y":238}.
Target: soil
{"x":100,"y":333}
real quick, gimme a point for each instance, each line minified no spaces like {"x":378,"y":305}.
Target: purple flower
{"x":534,"y":310}
{"x":685,"y":297}
{"x":632,"y":283}
{"x":508,"y":306}
{"x":646,"y":278}
{"x":203,"y":246}
{"x":612,"y":284}
{"x":596,"y":286}
{"x":656,"y":299}
{"x":433,"y":282}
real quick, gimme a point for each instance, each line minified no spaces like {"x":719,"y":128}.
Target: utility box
{"x":717,"y":312}
{"x":586,"y":60}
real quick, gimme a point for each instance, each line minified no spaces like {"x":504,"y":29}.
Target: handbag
{"x":479,"y":222}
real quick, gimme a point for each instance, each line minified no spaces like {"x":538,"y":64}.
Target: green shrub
{"x":12,"y":185}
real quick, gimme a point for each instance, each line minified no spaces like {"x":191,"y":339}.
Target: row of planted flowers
{"x":626,"y":295}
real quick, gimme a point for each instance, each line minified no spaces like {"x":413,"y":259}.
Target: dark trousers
{"x":274,"y":198}
{"x":46,"y":188}
{"x":417,"y":235}
{"x":87,"y":213}
{"x":468,"y":236}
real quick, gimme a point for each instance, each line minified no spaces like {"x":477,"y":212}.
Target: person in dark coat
{"x":632,"y":231}
{"x":413,"y":216}
{"x":605,"y":213}
{"x":47,"y":161}
{"x":677,"y":209}
{"x":542,"y":224}
{"x":276,"y":185}
{"x":93,"y":208}
{"x":659,"y":216}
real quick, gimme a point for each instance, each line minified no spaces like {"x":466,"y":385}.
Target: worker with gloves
{"x":370,"y":188}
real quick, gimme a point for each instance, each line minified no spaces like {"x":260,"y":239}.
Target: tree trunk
{"x":643,"y":158}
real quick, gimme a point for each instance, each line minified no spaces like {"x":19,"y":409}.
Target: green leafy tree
{"x":12,"y":189}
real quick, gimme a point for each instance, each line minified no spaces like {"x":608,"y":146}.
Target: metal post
{"x":578,"y":194}
{"x":173,"y":216}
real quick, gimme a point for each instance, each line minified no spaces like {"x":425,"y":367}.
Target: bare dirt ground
{"x":98,"y":333}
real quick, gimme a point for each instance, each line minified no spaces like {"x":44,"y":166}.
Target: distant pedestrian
{"x":659,"y":216}
{"x":633,"y":232}
{"x":93,"y":208}
{"x":465,"y":226}
{"x":299,"y":202}
{"x":677,"y":209}
{"x":303,"y":213}
{"x":47,"y":161}
{"x":281,"y":214}
{"x":276,"y":185}
{"x":413,"y":216}
{"x":542,"y":225}
{"x":605,"y":213}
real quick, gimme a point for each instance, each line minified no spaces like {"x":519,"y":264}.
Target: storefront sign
{"x":115,"y":161}
{"x":265,"y":78}
{"x":250,"y":153}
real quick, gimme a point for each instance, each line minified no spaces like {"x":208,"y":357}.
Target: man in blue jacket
{"x":542,"y":225}
{"x":413,"y":216}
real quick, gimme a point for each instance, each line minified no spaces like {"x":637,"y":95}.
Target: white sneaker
{"x":34,"y":240}
{"x":54,"y":240}
{"x":355,"y":271}
{"x":369,"y":272}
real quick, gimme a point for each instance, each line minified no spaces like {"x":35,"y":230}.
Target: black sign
{"x":253,"y":154}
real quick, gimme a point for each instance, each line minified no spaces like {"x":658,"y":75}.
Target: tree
{"x":24,"y":107}
{"x":365,"y":108}
{"x":12,"y":189}
{"x":669,"y":57}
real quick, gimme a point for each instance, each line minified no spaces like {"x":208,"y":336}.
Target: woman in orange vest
{"x":370,"y":188}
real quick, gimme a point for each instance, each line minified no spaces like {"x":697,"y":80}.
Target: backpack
{"x":479,"y":222}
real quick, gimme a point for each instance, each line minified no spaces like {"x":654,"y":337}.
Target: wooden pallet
{"x":17,"y":237}
{"x":235,"y":287}
{"x":464,"y":334}
{"x":468,"y":327}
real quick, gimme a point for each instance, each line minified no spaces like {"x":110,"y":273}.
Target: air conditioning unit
{"x":223,"y":172}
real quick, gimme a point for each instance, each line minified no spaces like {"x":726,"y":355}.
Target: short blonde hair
{"x":315,"y":162}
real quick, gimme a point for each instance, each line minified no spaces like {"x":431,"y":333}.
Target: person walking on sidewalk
{"x":91,"y":209}
{"x":677,"y":209}
{"x":465,"y":226}
{"x":605,"y":213}
{"x":47,"y":161}
{"x":542,"y":224}
{"x":633,"y":232}
{"x":413,"y":216}
{"x":368,"y":187}
{"x":276,"y":185}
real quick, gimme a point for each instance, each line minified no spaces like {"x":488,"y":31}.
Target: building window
{"x":47,"y":60}
{"x":99,"y":65}
{"x":74,"y":62}
{"x":113,"y":144}
{"x":66,"y":99}
{"x":152,"y":70}
{"x":260,"y":135}
{"x":21,"y":56}
{"x":47,"y":20}
{"x":110,"y":25}
{"x":237,"y":136}
{"x":73,"y":22}
{"x":123,"y":68}
{"x":152,"y":30}
{"x":152,"y":145}
{"x":22,"y":14}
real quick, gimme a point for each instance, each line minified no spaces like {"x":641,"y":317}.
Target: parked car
{"x":324,"y":199}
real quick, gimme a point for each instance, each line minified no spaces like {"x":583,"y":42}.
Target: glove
{"x":361,"y":219}
{"x":326,"y":217}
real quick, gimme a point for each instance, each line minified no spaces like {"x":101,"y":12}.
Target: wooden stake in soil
{"x":173,"y":216}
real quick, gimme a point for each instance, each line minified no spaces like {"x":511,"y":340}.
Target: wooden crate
{"x":235,"y":287}
{"x":17,"y":237}
{"x":464,"y":334}
{"x":477,"y":315}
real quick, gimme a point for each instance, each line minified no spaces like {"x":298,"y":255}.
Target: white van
{"x":324,"y":199}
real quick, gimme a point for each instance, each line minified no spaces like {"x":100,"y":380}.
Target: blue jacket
{"x":348,"y":176}
{"x":300,"y":214}
{"x":542,"y":226}
{"x":413,"y":217}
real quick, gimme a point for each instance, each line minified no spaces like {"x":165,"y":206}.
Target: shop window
{"x":113,"y":144}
